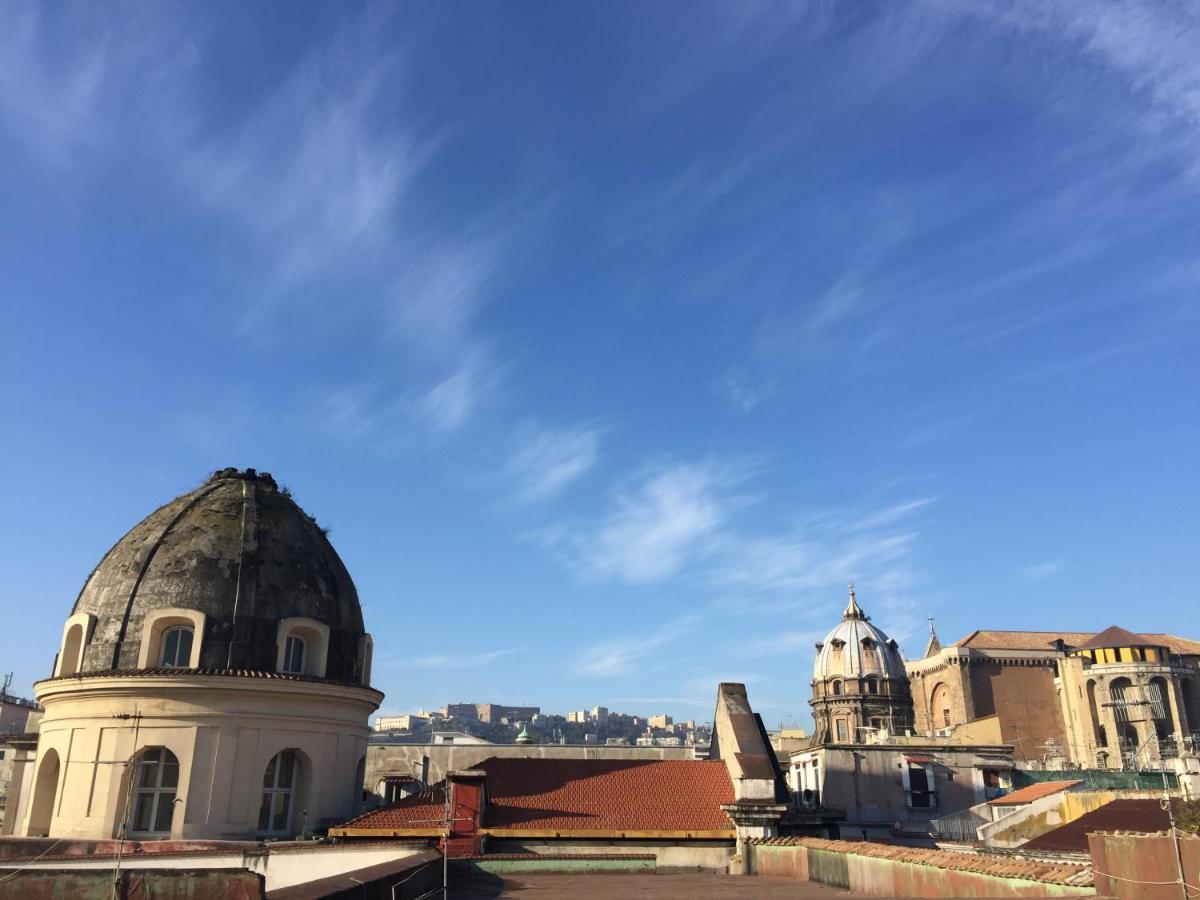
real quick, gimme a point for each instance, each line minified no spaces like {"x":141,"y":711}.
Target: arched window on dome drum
{"x":293,"y":655}
{"x":157,"y":778}
{"x":279,"y":785}
{"x":176,"y":647}
{"x":72,"y":646}
{"x":837,"y":689}
{"x":872,"y":686}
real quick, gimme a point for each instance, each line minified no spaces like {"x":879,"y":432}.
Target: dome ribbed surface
{"x":856,"y":648}
{"x":242,"y":552}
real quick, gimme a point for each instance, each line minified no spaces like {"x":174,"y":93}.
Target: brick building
{"x":1093,"y":700}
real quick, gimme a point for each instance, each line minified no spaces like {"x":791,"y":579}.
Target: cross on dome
{"x":853,"y":610}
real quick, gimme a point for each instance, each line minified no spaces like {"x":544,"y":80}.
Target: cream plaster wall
{"x":222,"y":729}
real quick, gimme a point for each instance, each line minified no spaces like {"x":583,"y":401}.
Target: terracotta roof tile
{"x":1077,"y":875}
{"x":582,"y":795}
{"x":1116,"y":636}
{"x":423,"y":810}
{"x":1043,"y":640}
{"x":1145,"y":816}
{"x":184,"y":672}
{"x":1032,"y":792}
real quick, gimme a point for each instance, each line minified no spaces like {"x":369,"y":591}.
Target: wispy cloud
{"x":794,"y":564}
{"x":312,"y":172}
{"x":390,"y":417}
{"x":545,"y":461}
{"x":620,"y":656}
{"x":317,"y":173}
{"x":741,"y":391}
{"x":661,"y":520}
{"x":452,"y":660}
{"x":795,"y":642}
{"x":449,"y":403}
{"x":67,"y":106}
{"x":1154,"y":46}
{"x":1042,"y":570}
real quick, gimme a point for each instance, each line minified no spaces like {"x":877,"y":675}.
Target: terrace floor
{"x":618,"y":886}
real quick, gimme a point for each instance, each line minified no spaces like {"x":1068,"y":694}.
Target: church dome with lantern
{"x":216,"y":666}
{"x":856,"y":648}
{"x":859,"y":683}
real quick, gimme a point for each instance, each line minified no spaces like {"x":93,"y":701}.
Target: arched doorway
{"x":360,"y":776}
{"x":1099,"y":736}
{"x":939,"y":707}
{"x":1160,"y":709}
{"x":1122,"y":700}
{"x":45,"y":792}
{"x":1190,"y":701}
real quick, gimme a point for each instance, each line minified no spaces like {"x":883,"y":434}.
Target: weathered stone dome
{"x":856,"y":648}
{"x":242,"y":552}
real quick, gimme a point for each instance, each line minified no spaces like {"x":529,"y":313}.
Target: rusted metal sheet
{"x":1145,"y":866}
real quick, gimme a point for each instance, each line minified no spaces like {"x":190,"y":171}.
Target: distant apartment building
{"x":577,"y":716}
{"x":493,"y":713}
{"x":600,"y":713}
{"x":663,"y":721}
{"x":489,"y":713}
{"x":17,"y":716}
{"x":399,"y":723}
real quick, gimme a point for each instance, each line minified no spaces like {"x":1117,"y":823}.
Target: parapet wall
{"x":429,"y":763}
{"x":888,"y":870}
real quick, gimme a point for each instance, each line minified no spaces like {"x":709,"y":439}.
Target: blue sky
{"x":611,"y":340}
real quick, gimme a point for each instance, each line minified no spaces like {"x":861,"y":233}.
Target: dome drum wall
{"x":243,"y":553}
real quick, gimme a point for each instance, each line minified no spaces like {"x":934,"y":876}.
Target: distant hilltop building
{"x":213,"y":679}
{"x":490,"y":713}
{"x":405,"y":722}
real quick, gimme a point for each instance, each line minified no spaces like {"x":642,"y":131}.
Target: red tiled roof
{"x":183,"y":672}
{"x":1116,"y":636}
{"x":1032,"y":792}
{"x":562,"y":795}
{"x":1145,"y":816}
{"x":985,"y":639}
{"x":423,"y":811}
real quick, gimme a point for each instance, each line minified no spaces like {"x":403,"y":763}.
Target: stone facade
{"x":1053,"y":694}
{"x":957,"y":686}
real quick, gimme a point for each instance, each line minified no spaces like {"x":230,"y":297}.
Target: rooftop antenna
{"x":7,"y":684}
